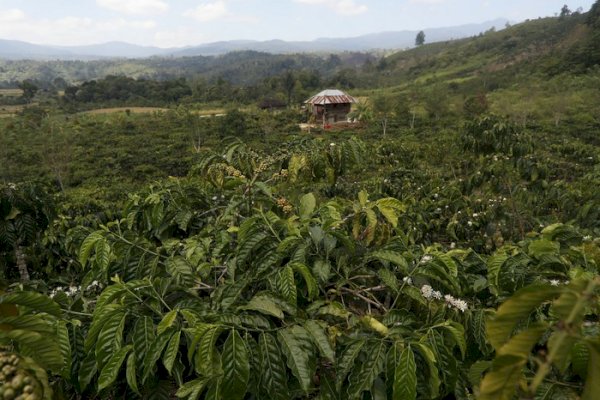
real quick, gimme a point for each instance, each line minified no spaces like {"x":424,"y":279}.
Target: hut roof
{"x":331,"y":96}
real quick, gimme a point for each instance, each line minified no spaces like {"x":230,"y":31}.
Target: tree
{"x":384,"y":108}
{"x":29,"y":90}
{"x":593,"y":18}
{"x":420,"y":39}
{"x":288,"y":82}
{"x":565,"y":12}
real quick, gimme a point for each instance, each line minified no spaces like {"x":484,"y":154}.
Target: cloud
{"x":177,"y":37}
{"x":71,"y":30}
{"x":11,"y":15}
{"x":208,"y":11}
{"x":342,"y":7}
{"x":135,"y":7}
{"x":428,"y":1}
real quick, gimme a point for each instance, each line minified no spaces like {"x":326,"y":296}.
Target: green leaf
{"x":580,"y":356}
{"x":131,"y":373}
{"x":35,"y":301}
{"x":298,"y":349}
{"x":286,"y":285}
{"x":543,"y":247}
{"x":477,"y":370}
{"x":205,"y":354}
{"x":171,"y":351}
{"x":308,"y":204}
{"x":309,"y":279}
{"x":364,"y":374}
{"x":346,"y":362}
{"x":515,"y":309}
{"x":393,"y":257}
{"x":363,"y":198}
{"x":154,"y":353}
{"x":494,"y":266}
{"x":389,"y":279}
{"x":235,"y":359}
{"x":264,"y":305}
{"x":88,"y":245}
{"x":520,"y":345}
{"x":592,"y":383}
{"x":405,"y":376}
{"x":111,"y":370}
{"x":87,"y":371}
{"x":167,"y":321}
{"x":181,"y":271}
{"x":319,"y":338}
{"x":193,"y":389}
{"x":110,"y":337}
{"x":43,"y":348}
{"x":102,"y":254}
{"x":142,"y":337}
{"x":272,"y":368}
{"x":457,"y":332}
{"x":500,"y":383}
{"x":62,"y":334}
{"x":560,"y":345}
{"x":430,"y":360}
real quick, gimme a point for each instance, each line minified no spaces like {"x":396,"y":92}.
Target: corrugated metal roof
{"x":331,"y":96}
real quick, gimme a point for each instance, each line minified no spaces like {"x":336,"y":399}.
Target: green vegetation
{"x":445,"y":247}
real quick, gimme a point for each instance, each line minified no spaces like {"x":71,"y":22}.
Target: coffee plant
{"x":275,"y":274}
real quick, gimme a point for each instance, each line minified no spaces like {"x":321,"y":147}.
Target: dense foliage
{"x":428,"y":252}
{"x":279,"y":274}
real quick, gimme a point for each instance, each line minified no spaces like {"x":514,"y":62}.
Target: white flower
{"x":475,"y":215}
{"x":452,"y":245}
{"x":215,"y":198}
{"x":437,"y":295}
{"x":461,"y":305}
{"x":408,"y":280}
{"x":426,"y":259}
{"x":470,"y":223}
{"x":555,"y":282}
{"x":427,"y":291}
{"x":587,"y":238}
{"x":331,"y":144}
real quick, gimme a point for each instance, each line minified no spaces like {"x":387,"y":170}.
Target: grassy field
{"x":9,"y":111}
{"x":135,"y":110}
{"x":11,"y":92}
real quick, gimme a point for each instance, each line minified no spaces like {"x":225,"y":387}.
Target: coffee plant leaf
{"x":298,"y":349}
{"x":109,"y":373}
{"x":235,"y":359}
{"x":405,"y":376}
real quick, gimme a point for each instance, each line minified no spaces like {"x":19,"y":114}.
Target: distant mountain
{"x":115,"y":50}
{"x":12,"y":49}
{"x":15,"y":49}
{"x":376,"y":41}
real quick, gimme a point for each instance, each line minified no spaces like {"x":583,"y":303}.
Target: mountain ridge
{"x":388,"y":40}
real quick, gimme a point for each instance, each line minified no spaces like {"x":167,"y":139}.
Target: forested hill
{"x":569,"y":43}
{"x":548,"y":46}
{"x":243,"y":67}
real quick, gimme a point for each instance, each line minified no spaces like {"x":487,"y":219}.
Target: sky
{"x":177,"y":23}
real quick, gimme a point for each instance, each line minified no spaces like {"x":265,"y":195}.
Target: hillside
{"x":545,"y":68}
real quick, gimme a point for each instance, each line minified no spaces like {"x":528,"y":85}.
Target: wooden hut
{"x":330,"y":106}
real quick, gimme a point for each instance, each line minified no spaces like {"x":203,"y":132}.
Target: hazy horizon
{"x":166,"y":23}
